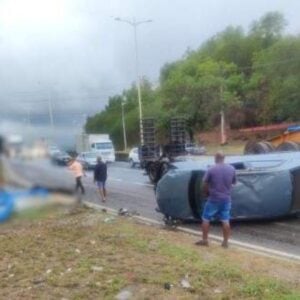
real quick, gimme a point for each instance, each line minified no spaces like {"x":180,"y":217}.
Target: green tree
{"x":254,"y":76}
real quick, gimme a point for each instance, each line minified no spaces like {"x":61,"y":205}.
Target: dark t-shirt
{"x":220,"y":179}
{"x":100,"y":172}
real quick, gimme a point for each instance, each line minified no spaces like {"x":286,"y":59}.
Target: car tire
{"x":288,"y":146}
{"x":152,"y":172}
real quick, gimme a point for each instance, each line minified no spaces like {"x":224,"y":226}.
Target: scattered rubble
{"x":168,"y":286}
{"x":185,"y":283}
{"x":109,"y":220}
{"x":125,"y":212}
{"x":96,"y":269}
{"x":217,"y":291}
{"x":124,"y":295}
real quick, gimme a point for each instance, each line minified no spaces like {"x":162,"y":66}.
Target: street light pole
{"x":50,"y":111}
{"x":124,"y":128}
{"x":138,"y":79}
{"x":222,"y":114}
{"x":135,"y":24}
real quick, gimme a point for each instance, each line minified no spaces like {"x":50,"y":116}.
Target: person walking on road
{"x":100,"y":176}
{"x":76,"y":168}
{"x":217,"y":182}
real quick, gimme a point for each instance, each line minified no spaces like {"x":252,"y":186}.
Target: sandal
{"x":202,"y":243}
{"x":225,"y":244}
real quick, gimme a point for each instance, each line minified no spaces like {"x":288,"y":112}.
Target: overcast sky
{"x":72,"y":53}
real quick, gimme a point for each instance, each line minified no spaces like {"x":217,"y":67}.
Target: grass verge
{"x":91,"y":255}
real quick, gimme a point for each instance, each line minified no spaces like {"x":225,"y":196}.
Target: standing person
{"x":218,"y":182}
{"x":76,"y":168}
{"x":100,"y":176}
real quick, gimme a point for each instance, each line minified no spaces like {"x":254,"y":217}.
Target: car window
{"x":102,"y":146}
{"x":91,"y":155}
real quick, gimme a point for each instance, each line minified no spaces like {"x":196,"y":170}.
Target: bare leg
{"x":226,"y":233}
{"x":104,"y":192}
{"x":101,"y":192}
{"x":205,"y":229}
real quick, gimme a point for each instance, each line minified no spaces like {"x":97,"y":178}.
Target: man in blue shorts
{"x":100,"y":176}
{"x":217,"y":182}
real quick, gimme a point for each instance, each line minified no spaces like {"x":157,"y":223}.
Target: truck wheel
{"x":152,"y":171}
{"x":248,"y":147}
{"x":288,"y":146}
{"x":164,"y":168}
{"x":257,"y":148}
{"x":269,"y":145}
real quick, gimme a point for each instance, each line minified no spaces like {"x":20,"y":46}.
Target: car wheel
{"x":152,"y":171}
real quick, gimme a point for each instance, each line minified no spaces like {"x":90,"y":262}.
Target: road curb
{"x":216,"y":239}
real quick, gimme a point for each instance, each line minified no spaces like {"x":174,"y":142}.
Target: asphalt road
{"x":129,"y":188}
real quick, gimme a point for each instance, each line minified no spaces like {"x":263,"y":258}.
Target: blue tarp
{"x":8,"y":199}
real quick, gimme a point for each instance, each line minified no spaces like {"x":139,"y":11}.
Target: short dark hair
{"x":219,"y":156}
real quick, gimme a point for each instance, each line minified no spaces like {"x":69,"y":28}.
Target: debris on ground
{"x":168,"y":286}
{"x":124,"y":295}
{"x":125,"y":212}
{"x":125,"y":259}
{"x":169,"y":221}
{"x":185,"y":282}
{"x":109,"y":220}
{"x":217,"y":291}
{"x":96,"y":269}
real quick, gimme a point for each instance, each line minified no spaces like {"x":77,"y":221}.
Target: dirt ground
{"x":85,"y":254}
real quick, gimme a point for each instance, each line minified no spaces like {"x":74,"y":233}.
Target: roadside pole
{"x":222,"y":115}
{"x":124,"y":127}
{"x":135,"y":24}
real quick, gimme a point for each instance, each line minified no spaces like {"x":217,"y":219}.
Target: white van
{"x":99,"y":143}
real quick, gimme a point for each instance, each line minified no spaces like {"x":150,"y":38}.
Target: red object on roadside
{"x":267,"y":127}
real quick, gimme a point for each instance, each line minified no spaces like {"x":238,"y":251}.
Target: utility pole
{"x":223,"y":129}
{"x":50,"y":111}
{"x":135,"y":24}
{"x":124,"y":127}
{"x":28,"y":117}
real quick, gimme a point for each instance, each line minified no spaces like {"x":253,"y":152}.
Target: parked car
{"x":88,"y":159}
{"x":194,"y":149}
{"x":53,"y":150}
{"x":133,"y":157}
{"x":60,"y":158}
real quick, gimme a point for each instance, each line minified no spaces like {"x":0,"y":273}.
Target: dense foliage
{"x":253,"y":76}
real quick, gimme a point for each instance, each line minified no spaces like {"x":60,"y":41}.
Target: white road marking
{"x":115,"y":179}
{"x":122,"y":180}
{"x":242,"y":245}
{"x":143,"y":184}
{"x":130,"y":182}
